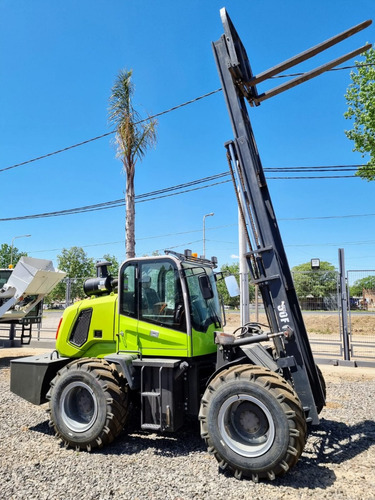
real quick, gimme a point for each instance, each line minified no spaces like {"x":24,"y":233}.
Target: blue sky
{"x":58,"y":62}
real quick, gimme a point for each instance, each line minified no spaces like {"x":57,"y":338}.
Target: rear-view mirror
{"x":232,"y":286}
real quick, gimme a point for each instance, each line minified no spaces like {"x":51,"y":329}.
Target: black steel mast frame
{"x":267,"y":259}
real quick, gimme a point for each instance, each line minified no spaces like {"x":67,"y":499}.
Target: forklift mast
{"x":266,"y":257}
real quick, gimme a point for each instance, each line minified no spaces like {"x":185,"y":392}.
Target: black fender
{"x":238,"y":361}
{"x":124,"y":365}
{"x":250,"y":354}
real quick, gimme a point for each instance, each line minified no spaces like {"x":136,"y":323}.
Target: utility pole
{"x":344,"y":305}
{"x":204,"y":232}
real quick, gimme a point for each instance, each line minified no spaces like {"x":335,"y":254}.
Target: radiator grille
{"x":81,"y":328}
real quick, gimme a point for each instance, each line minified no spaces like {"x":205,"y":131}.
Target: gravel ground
{"x":338,"y":461}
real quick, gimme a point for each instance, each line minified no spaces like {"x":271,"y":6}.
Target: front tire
{"x":252,"y":422}
{"x":87,"y":404}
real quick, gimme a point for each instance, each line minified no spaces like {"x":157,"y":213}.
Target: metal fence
{"x":325,"y":312}
{"x":320,"y":298}
{"x":362,"y":313}
{"x":321,"y":301}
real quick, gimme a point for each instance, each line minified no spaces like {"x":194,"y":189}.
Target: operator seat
{"x":149,"y":296}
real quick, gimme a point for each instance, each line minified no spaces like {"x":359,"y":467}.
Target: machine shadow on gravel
{"x":335,"y":442}
{"x":5,"y":362}
{"x":332,"y":443}
{"x":42,"y":428}
{"x":133,"y":441}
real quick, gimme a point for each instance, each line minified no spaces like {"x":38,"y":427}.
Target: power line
{"x":323,"y":217}
{"x":167,"y":192}
{"x":161,"y":113}
{"x":332,"y":69}
{"x":147,"y":238}
{"x":153,"y":195}
{"x":215,"y":228}
{"x":317,"y":168}
{"x":368,"y":242}
{"x":314,"y":177}
{"x":57,"y":152}
{"x":174,"y":108}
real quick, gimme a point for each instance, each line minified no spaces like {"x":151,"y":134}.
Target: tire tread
{"x":287,"y":399}
{"x":116,"y":400}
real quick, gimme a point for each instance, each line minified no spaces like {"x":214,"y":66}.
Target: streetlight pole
{"x":11,"y":247}
{"x":204,"y":232}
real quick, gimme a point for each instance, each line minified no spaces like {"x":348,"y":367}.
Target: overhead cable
{"x":191,"y":101}
{"x":153,"y":195}
{"x":87,"y":141}
{"x":158,"y":194}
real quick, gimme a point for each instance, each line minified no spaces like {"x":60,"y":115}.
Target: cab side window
{"x":161,"y":300}
{"x":128,"y":297}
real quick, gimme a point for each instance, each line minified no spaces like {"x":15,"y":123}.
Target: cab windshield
{"x":4,"y":276}
{"x":203,"y":298}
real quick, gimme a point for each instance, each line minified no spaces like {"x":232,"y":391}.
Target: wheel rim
{"x":246,"y":425}
{"x":78,"y":407}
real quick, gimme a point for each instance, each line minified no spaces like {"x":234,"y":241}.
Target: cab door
{"x":152,"y":309}
{"x":128,"y":308}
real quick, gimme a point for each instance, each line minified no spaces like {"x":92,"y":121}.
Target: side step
{"x":151,"y":427}
{"x":151,"y":399}
{"x":161,"y":393}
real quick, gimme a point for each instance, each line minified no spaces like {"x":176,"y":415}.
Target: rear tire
{"x":252,"y":422}
{"x":87,"y":404}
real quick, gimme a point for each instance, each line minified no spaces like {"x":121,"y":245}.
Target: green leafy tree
{"x":320,"y":283}
{"x":5,"y":255}
{"x":78,"y":266}
{"x":133,"y":137}
{"x":367,"y":283}
{"x":232,"y":269}
{"x":360,"y":97}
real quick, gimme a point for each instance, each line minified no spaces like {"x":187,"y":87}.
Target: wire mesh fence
{"x":361,"y":286}
{"x":318,"y":293}
{"x":320,"y":299}
{"x":319,"y":296}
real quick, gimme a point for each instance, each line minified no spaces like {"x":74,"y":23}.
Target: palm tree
{"x":133,"y":137}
